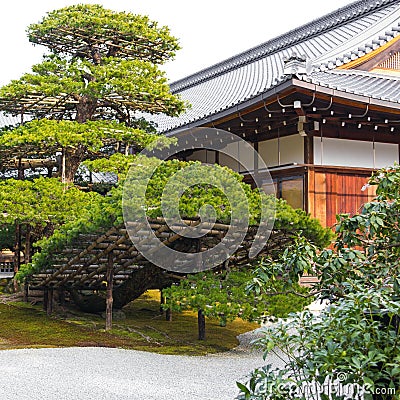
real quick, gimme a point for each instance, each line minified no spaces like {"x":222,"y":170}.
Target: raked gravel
{"x":95,"y":373}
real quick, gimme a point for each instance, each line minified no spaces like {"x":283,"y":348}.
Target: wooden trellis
{"x":83,"y":263}
{"x":99,"y":261}
{"x":42,"y":104}
{"x":75,"y":41}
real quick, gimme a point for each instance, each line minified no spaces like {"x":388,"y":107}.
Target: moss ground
{"x":26,"y":326}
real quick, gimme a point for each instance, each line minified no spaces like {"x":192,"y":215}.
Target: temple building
{"x":320,"y":104}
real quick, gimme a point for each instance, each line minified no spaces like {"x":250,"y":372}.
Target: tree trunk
{"x":85,"y":108}
{"x":69,"y":166}
{"x":27,"y":252}
{"x":21,"y":172}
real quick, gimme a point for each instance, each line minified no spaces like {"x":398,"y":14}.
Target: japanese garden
{"x":88,"y":121}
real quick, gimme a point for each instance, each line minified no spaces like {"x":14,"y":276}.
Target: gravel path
{"x":104,"y":373}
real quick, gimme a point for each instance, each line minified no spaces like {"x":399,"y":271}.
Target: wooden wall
{"x":334,"y":191}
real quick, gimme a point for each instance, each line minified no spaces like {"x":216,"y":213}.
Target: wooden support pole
{"x":61,"y":296}
{"x":26,"y":292}
{"x":161,"y":302}
{"x":17,"y":254}
{"x":45,"y":298}
{"x":109,"y":294}
{"x":201,"y":322}
{"x":50,"y":297}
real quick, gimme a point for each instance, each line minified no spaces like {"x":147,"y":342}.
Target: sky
{"x":209,"y":31}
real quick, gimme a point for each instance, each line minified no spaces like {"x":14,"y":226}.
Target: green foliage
{"x":297,"y":221}
{"x":351,"y":341}
{"x":286,"y":266}
{"x":108,"y":31}
{"x":358,"y":335}
{"x":102,"y":213}
{"x":48,"y":136}
{"x":224,"y":296}
{"x":198,"y":193}
{"x":98,"y":214}
{"x":7,"y":235}
{"x":40,"y":202}
{"x":138,"y":84}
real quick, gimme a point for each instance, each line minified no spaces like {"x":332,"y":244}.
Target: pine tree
{"x":101,"y":70}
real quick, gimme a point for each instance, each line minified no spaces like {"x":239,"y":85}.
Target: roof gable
{"x":393,"y":62}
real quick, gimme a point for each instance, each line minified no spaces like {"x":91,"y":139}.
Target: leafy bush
{"x":355,"y":343}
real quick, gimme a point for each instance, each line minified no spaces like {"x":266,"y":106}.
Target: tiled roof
{"x":375,"y":86}
{"x":331,"y":41}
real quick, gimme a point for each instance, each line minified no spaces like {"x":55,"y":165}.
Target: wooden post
{"x":27,"y":252}
{"x":161,"y":302}
{"x":17,"y":254}
{"x":26,"y":292}
{"x":61,"y":296}
{"x":21,"y":172}
{"x":50,"y":297}
{"x":17,"y":247}
{"x":109,"y":294}
{"x":201,"y":322}
{"x":45,"y":298}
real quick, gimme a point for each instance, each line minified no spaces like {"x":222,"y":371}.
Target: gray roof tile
{"x":376,"y":86}
{"x":329,"y":42}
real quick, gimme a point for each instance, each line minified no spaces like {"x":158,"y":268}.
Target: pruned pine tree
{"x":102,"y":68}
{"x":81,"y":103}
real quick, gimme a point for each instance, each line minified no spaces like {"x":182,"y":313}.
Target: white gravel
{"x":103,"y":373}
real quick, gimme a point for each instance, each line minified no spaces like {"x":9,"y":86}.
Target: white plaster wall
{"x":291,"y":149}
{"x":227,"y":161}
{"x":268,"y":150}
{"x":352,"y":153}
{"x":386,"y":154}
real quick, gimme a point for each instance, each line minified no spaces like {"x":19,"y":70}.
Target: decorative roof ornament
{"x":296,"y":65}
